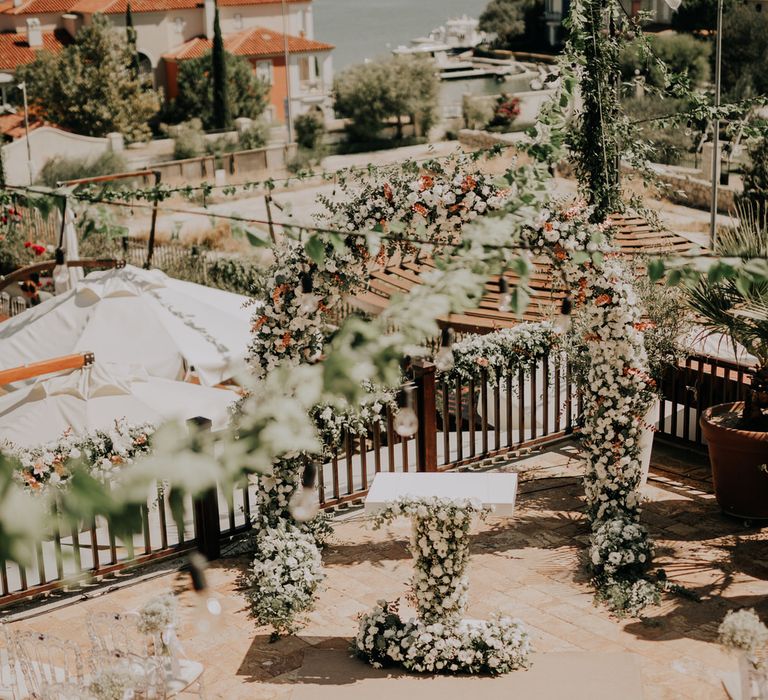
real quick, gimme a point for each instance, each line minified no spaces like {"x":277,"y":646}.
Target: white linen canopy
{"x":95,"y":397}
{"x":132,"y":316}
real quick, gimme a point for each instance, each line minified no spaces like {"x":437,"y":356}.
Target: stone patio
{"x":528,"y":566}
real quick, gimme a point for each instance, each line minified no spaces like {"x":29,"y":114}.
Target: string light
{"x":309,"y":301}
{"x":304,"y":504}
{"x":505,"y":295}
{"x":444,"y":359}
{"x":563,"y":321}
{"x":406,"y":421}
{"x":207,"y":607}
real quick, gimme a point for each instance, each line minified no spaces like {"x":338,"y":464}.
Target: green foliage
{"x":239,"y":275}
{"x":90,"y":88}
{"x":309,"y":130}
{"x":668,"y":322}
{"x":188,"y":139}
{"x":60,"y":169}
{"x":667,"y":144}
{"x":594,"y":141}
{"x":505,"y":19}
{"x":370,"y":94}
{"x":745,"y":58}
{"x":737,"y":307}
{"x":756,"y":177}
{"x":247,"y":95}
{"x":222,"y":111}
{"x":517,"y":24}
{"x":681,"y":53}
{"x":699,"y":15}
{"x":254,"y":137}
{"x":476,"y":111}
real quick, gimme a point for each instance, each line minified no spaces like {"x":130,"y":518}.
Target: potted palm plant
{"x":737,"y":433}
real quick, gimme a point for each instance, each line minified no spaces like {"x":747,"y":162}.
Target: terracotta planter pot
{"x":741,"y":486}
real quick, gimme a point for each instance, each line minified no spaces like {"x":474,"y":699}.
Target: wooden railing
{"x":459,"y":423}
{"x":699,"y":382}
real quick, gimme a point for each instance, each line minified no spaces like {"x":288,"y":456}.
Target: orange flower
{"x":482,"y":361}
{"x":258,"y":323}
{"x":286,"y":340}
{"x":420,"y":209}
{"x":560,"y":252}
{"x":425,"y":183}
{"x":388,"y":192}
{"x":603,"y":299}
{"x":469,"y":184}
{"x":140,"y":440}
{"x":116,"y":459}
{"x":548,"y":226}
{"x":643,"y":326}
{"x":278,"y":292}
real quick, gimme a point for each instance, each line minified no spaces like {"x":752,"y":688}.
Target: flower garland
{"x":104,"y":452}
{"x":436,"y":199}
{"x":502,"y":352}
{"x":618,"y":391}
{"x":334,"y":422}
{"x":439,"y":640}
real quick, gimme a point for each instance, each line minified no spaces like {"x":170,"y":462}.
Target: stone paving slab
{"x":332,"y":675}
{"x":528,"y":566}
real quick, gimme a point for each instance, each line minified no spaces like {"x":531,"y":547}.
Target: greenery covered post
{"x":594,"y":142}
{"x":222,"y":113}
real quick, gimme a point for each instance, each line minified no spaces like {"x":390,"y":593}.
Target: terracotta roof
{"x":631,"y":235}
{"x":36,"y":7}
{"x":110,"y":7}
{"x":248,"y":42}
{"x":15,"y":51}
{"x":12,"y":125}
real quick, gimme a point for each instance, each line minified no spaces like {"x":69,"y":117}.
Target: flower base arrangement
{"x":439,"y":640}
{"x":283,"y":578}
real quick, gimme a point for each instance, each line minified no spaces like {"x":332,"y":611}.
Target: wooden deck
{"x":632,"y":235}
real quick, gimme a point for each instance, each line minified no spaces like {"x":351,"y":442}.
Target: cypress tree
{"x":130,"y":34}
{"x":222,"y":114}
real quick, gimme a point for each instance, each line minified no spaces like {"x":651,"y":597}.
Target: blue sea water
{"x":363,"y":29}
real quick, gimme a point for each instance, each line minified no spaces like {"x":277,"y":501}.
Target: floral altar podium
{"x":442,"y":508}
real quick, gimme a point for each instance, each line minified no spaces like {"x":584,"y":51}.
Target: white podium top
{"x":491,"y":489}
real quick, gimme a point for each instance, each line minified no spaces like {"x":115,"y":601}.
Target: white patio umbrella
{"x":134,"y":316}
{"x":94,"y":397}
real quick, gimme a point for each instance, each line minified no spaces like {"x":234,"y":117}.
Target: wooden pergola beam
{"x":36,"y":369}
{"x":25,"y":272}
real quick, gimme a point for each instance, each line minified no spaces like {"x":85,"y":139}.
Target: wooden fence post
{"x":426,"y":410}
{"x":206,"y":513}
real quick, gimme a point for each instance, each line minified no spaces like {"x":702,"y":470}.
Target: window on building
{"x":264,"y":71}
{"x":304,"y":72}
{"x":238,"y":21}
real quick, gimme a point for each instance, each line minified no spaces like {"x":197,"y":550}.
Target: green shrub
{"x":255,"y":137}
{"x":188,"y":139}
{"x":309,"y":130}
{"x":60,"y":169}
{"x":239,"y":275}
{"x":680,"y":52}
{"x":756,"y":177}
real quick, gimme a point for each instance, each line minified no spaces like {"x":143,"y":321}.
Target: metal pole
{"x":23,"y":88}
{"x":287,"y":76}
{"x":153,"y":223}
{"x":716,"y":128}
